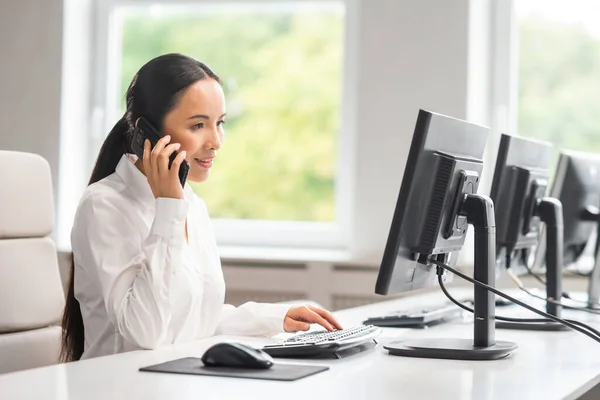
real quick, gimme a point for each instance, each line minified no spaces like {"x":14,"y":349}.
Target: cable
{"x":530,"y":272}
{"x":571,"y":325}
{"x":520,"y":285}
{"x":565,"y":306}
{"x":540,"y":279}
{"x":508,"y":319}
{"x":466,"y":308}
{"x":566,"y":295}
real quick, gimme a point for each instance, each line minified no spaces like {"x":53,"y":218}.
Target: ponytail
{"x":72,"y":324}
{"x":115,"y":145}
{"x":73,"y":335}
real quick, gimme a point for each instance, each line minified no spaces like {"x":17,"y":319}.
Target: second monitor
{"x":519,"y":193}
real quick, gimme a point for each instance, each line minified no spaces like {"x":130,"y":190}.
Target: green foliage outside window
{"x":282,"y":76}
{"x":559,"y":84}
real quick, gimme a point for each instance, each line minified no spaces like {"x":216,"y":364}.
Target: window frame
{"x":492,"y":88}
{"x":233,"y":232}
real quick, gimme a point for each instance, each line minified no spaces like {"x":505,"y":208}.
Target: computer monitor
{"x":577,"y":186}
{"x":437,"y":202}
{"x":519,"y":191}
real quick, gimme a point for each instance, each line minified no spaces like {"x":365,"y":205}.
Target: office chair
{"x":31,"y":294}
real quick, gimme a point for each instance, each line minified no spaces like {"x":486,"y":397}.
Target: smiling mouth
{"x":204,"y":163}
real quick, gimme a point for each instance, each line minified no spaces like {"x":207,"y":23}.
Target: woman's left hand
{"x":300,"y":318}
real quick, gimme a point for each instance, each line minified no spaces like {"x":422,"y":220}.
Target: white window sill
{"x":273,"y":254}
{"x":282,"y":254}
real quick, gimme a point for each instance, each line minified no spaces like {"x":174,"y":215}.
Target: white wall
{"x":75,"y":119}
{"x":413,"y":54}
{"x":30,"y":77}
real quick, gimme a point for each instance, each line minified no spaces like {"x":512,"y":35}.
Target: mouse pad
{"x":278,"y":372}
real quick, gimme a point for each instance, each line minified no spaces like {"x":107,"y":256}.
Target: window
{"x":281,"y":68}
{"x":559,"y":75}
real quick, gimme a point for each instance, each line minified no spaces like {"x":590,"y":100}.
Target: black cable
{"x":540,"y":279}
{"x":528,"y":307}
{"x":558,"y":303}
{"x":527,"y":267}
{"x":508,"y":319}
{"x":466,"y":308}
{"x":566,"y":295}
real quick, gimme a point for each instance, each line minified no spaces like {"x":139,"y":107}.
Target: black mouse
{"x":238,"y":355}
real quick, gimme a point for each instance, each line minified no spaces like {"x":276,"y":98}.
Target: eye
{"x":199,"y":125}
{"x":220,"y":123}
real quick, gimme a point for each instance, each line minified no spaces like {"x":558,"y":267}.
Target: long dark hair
{"x":154,"y":91}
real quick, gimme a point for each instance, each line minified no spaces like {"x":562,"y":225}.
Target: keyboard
{"x":324,"y":343}
{"x":417,"y":317}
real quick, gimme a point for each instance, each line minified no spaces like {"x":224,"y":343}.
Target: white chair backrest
{"x":31,"y":294}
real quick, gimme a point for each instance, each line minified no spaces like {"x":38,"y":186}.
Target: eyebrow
{"x":202,"y":116}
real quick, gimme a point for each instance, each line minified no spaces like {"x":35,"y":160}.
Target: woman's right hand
{"x":163,"y":181}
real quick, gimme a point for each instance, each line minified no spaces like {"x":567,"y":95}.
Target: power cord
{"x":575,"y":325}
{"x":508,"y":319}
{"x":566,"y":295}
{"x":520,"y":285}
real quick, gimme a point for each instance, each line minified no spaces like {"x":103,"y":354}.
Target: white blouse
{"x":139,"y":283}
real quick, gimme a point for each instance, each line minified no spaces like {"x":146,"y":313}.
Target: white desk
{"x":547,"y":365}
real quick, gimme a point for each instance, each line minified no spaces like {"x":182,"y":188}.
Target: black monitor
{"x":577,"y":186}
{"x":437,"y":202}
{"x":519,"y":191}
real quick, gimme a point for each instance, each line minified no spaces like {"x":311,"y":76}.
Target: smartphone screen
{"x":144,"y":130}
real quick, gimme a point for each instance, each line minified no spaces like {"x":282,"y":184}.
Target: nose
{"x":214,"y":140}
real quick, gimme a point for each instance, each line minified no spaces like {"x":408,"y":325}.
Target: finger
{"x":149,"y":166}
{"x":177,"y":163}
{"x":162,"y":142}
{"x":163,"y":157}
{"x":146,"y":156}
{"x":311,"y":316}
{"x":327,"y":315}
{"x":295,"y":326}
{"x":168,"y":150}
{"x":156,"y":151}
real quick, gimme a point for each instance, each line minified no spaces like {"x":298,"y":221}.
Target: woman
{"x":146,"y":271}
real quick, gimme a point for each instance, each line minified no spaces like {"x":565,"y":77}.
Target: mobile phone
{"x":144,"y":130}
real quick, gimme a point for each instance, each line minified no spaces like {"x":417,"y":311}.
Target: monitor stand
{"x":479,"y":211}
{"x":593,"y":214}
{"x":594,"y":284}
{"x":550,"y":212}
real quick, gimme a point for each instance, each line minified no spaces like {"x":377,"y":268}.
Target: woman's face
{"x":196,"y":123}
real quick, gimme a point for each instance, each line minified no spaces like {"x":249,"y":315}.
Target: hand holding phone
{"x":144,"y":130}
{"x":164,"y":181}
